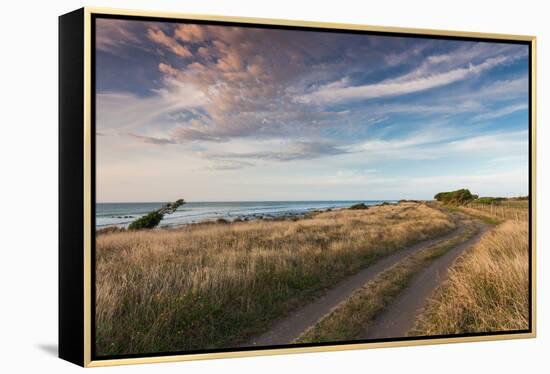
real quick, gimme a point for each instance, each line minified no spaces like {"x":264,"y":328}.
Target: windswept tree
{"x":151,"y":220}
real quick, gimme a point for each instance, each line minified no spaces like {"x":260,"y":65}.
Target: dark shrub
{"x":458,"y":197}
{"x":359,"y":206}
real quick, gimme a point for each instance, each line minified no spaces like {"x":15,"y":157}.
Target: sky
{"x":219,"y":113}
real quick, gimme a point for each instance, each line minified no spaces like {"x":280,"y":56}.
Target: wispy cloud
{"x":412,"y":82}
{"x":122,"y":110}
{"x":223,"y":165}
{"x":151,"y":139}
{"x":426,"y":146}
{"x":501,"y":112}
{"x":298,"y":150}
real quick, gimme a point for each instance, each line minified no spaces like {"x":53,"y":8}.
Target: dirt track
{"x":286,"y":330}
{"x":398,"y":318}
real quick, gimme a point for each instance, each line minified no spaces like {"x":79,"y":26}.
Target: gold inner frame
{"x":88,"y":362}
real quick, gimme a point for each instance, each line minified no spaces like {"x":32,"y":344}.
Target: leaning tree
{"x":151,"y":220}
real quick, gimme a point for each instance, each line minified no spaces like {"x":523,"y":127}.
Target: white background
{"x":28,"y":184}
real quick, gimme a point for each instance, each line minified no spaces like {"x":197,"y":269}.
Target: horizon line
{"x":245,"y":201}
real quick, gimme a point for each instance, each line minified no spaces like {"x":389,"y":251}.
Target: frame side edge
{"x":533,"y":191}
{"x":71,"y":91}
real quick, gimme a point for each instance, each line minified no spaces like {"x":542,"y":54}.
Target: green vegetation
{"x":491,"y":210}
{"x":148,"y":221}
{"x":359,"y":206}
{"x":464,"y":197}
{"x":458,"y":197}
{"x":489,"y":200}
{"x":151,"y":220}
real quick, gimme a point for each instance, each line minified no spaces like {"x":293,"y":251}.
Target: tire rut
{"x":399,"y":317}
{"x":289,"y":328}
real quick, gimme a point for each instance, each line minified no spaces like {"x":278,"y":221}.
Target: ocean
{"x":121,"y":214}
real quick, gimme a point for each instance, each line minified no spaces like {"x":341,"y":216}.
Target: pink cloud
{"x":203,"y":52}
{"x":190,"y":33}
{"x":158,"y":36}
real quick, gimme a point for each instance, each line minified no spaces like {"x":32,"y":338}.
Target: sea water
{"x":121,"y":214}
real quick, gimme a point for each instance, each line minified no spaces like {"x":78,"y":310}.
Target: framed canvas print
{"x":235,"y":186}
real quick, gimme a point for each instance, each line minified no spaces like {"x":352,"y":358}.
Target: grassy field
{"x":516,"y":210}
{"x":492,"y":213}
{"x":351,"y":319}
{"x":216,"y":285}
{"x":487,"y":289}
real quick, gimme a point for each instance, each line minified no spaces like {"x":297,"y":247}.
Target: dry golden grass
{"x":517,"y":210}
{"x":487,"y":289}
{"x":216,"y":285}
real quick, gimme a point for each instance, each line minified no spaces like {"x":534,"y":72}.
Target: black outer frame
{"x":71,"y":181}
{"x":71,"y":187}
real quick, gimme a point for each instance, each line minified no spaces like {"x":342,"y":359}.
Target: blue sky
{"x":217,"y":113}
